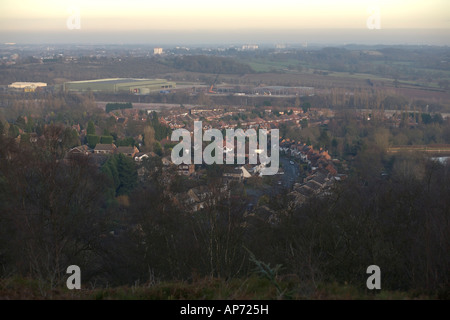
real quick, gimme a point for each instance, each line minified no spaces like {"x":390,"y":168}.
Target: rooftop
{"x":118,"y":80}
{"x":101,"y":146}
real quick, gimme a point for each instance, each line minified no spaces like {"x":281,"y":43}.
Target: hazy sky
{"x":209,"y":15}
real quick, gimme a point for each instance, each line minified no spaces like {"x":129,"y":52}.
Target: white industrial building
{"x":27,"y":85}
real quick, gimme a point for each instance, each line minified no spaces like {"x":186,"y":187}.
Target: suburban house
{"x":235,"y":173}
{"x":140,"y":156}
{"x":317,"y":183}
{"x":128,"y":151}
{"x":186,"y":169}
{"x":80,"y":150}
{"x":196,"y":199}
{"x":105,"y":148}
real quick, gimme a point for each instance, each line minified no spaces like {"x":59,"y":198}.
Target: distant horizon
{"x":301,"y":37}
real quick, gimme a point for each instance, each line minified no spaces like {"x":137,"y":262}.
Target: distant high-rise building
{"x":157,"y":50}
{"x":250,"y":47}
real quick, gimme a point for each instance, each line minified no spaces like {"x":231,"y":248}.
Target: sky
{"x":92,"y":18}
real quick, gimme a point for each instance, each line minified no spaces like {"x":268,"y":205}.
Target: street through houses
{"x":281,"y":183}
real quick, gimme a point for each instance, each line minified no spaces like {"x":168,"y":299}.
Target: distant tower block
{"x":157,"y":50}
{"x":250,"y":47}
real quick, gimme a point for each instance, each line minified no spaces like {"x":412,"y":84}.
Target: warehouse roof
{"x":116,"y":80}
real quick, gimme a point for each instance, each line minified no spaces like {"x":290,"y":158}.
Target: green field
{"x":427,"y":78}
{"x":268,"y":65}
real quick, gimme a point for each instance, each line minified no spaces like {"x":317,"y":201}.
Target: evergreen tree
{"x":112,"y":164}
{"x":121,"y":170}
{"x":306,"y":106}
{"x":160,"y":131}
{"x":92,"y":140}
{"x":157,"y":148}
{"x":70,"y":138}
{"x":106,"y":139}
{"x":110,"y":170}
{"x":90,"y":128}
{"x":127,"y":175}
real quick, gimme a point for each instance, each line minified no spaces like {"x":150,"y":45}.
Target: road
{"x":290,"y":176}
{"x":291,"y":173}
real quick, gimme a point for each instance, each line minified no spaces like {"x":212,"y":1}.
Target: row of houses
{"x":202,"y":197}
{"x":319,"y":182}
{"x":230,"y":172}
{"x":106,"y":149}
{"x":315,"y":158}
{"x":186,"y":120}
{"x":322,"y":173}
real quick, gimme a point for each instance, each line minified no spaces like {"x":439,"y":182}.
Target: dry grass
{"x":252,"y":288}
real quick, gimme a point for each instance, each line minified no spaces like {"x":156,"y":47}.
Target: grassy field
{"x":253,"y":288}
{"x":267,"y":65}
{"x":360,"y":76}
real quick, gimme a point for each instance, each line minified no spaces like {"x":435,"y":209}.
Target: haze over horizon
{"x":314,"y":37}
{"x":205,"y":22}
